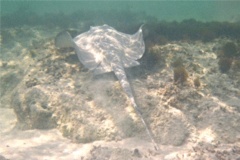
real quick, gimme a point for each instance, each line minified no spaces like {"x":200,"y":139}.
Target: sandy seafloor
{"x":54,"y":95}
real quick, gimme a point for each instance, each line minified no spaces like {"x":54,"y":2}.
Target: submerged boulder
{"x":32,"y":110}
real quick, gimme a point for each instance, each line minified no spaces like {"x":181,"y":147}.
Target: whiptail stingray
{"x":103,"y":49}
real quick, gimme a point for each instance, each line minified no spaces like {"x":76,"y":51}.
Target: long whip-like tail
{"x":121,"y":75}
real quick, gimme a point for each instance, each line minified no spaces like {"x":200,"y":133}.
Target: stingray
{"x":103,"y":49}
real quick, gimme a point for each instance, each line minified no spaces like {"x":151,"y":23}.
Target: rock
{"x":8,"y":82}
{"x":100,"y":153}
{"x":32,"y":110}
{"x":2,"y":158}
{"x":170,"y":129}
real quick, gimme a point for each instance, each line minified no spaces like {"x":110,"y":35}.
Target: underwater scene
{"x":120,"y":80}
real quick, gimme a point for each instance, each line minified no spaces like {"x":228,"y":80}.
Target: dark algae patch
{"x":225,"y":64}
{"x":228,"y":54}
{"x":230,"y":49}
{"x":180,"y":73}
{"x":191,"y":30}
{"x":158,"y":32}
{"x":197,"y":82}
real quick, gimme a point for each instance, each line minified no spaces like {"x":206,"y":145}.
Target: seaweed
{"x":227,"y":55}
{"x":207,"y":35}
{"x":229,"y":49}
{"x":180,"y":74}
{"x":158,"y":32}
{"x":197,"y":82}
{"x":177,"y":63}
{"x":191,"y":29}
{"x":225,"y":64}
{"x":236,"y":65}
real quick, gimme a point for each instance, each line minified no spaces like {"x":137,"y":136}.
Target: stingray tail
{"x":64,"y":40}
{"x":121,"y":75}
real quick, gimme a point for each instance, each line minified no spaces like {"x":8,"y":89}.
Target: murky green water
{"x":163,"y":10}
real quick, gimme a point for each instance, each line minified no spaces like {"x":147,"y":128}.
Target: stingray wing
{"x":92,"y":49}
{"x":133,"y":45}
{"x":98,"y":47}
{"x":129,"y":47}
